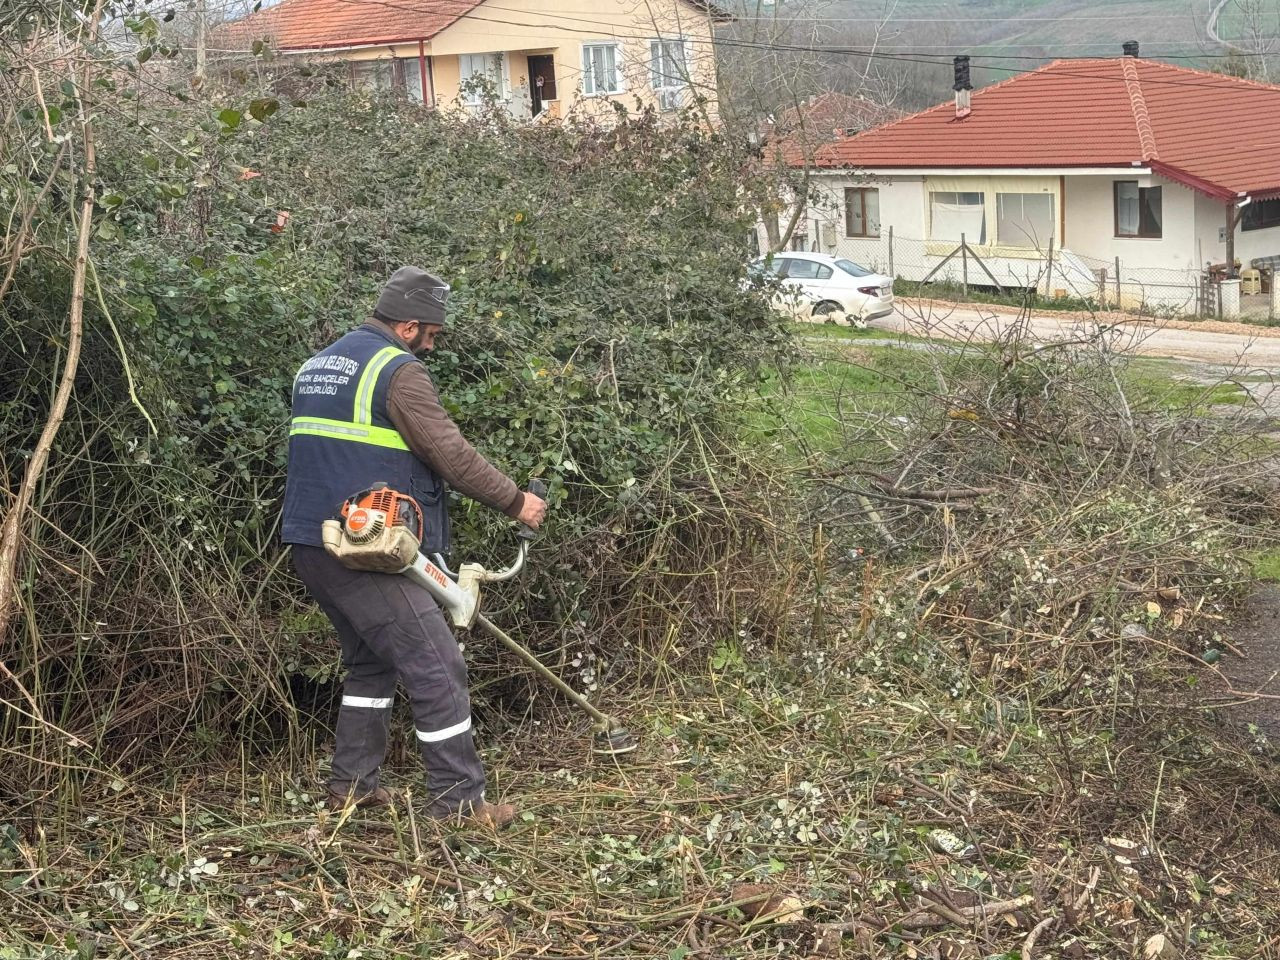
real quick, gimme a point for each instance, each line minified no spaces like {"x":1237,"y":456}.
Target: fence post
{"x":964,"y":265}
{"x":1273,"y":301}
{"x":1117,"y":283}
{"x":891,"y":273}
{"x":1048,"y":275}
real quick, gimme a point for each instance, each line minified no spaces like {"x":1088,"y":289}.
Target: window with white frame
{"x":669,"y":71}
{"x":478,"y":71}
{"x":601,"y":69}
{"x":1024,"y":219}
{"x":954,"y":215}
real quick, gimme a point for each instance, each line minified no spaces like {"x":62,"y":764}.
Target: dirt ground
{"x":1256,"y":635}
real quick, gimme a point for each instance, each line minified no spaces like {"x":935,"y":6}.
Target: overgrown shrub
{"x":599,"y":337}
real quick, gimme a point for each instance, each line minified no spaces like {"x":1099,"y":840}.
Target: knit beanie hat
{"x":412,"y":294}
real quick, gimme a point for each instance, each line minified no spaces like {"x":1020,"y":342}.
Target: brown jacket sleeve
{"x":415,"y":410}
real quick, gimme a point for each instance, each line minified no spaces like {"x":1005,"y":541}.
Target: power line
{"x":855,"y":52}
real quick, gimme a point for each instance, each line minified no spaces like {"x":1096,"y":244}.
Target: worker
{"x":365,"y":411}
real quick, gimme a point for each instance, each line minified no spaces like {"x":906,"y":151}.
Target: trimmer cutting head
{"x":613,"y":741}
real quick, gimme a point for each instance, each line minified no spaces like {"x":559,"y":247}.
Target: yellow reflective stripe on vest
{"x":363,"y":412}
{"x":342,"y":430}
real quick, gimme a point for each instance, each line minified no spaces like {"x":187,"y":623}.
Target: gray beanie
{"x":412,"y":294}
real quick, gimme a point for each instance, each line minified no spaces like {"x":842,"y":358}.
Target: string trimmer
{"x":381,"y":530}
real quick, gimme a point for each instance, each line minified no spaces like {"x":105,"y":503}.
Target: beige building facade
{"x":579,"y":57}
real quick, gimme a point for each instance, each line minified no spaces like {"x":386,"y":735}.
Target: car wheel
{"x":829,"y":311}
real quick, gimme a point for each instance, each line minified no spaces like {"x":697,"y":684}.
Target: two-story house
{"x":577,"y":55}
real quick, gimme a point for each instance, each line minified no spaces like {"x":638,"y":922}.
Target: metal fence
{"x":969,"y":270}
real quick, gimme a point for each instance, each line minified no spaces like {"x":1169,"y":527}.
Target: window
{"x":956,"y":215}
{"x":478,"y":72}
{"x":600,"y":69}
{"x":1261,"y":214}
{"x":807,"y":270}
{"x":1024,"y":219}
{"x":1138,"y":211}
{"x":854,"y":269}
{"x":410,"y":78}
{"x":372,"y":76}
{"x":669,"y":71}
{"x":861,"y":212}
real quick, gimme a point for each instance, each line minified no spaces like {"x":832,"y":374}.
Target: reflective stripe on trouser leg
{"x":361,"y":733}
{"x":401,"y":630}
{"x":363,"y":719}
{"x":435,"y":679}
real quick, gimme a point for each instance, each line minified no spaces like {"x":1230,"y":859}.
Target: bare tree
{"x":779,"y":72}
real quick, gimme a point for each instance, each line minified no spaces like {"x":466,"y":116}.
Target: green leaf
{"x":54,"y":114}
{"x":145,"y":54}
{"x":230,"y":118}
{"x":263,"y":107}
{"x":68,"y":89}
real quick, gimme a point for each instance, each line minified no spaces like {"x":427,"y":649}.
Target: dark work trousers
{"x":390,"y":627}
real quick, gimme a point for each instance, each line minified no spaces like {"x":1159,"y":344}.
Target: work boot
{"x":377,"y":797}
{"x":491,"y":816}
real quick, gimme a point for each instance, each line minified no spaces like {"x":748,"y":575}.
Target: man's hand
{"x":532,"y":510}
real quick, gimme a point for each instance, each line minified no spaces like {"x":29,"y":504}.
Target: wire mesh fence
{"x":971,"y":270}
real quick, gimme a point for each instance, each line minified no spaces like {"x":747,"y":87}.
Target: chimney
{"x":1131,"y":48}
{"x":962,"y":86}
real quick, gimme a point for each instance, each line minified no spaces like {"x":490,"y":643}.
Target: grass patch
{"x":1266,"y":565}
{"x":1164,"y":384}
{"x":809,"y":410}
{"x":839,"y":332}
{"x":948,"y":290}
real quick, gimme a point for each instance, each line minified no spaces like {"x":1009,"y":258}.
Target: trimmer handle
{"x":539,"y":489}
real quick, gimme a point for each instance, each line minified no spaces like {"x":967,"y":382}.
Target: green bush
{"x":600,"y":337}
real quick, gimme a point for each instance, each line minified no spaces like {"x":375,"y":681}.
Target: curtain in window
{"x":952,"y":215}
{"x":667,"y":64}
{"x":475,"y":67}
{"x":1127,"y":209}
{"x":411,"y":72}
{"x":370,"y":75}
{"x":600,"y":69}
{"x":1024,"y":220}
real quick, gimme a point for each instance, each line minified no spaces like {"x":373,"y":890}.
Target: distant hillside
{"x":917,"y":38}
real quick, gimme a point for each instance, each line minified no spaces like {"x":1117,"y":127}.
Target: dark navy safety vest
{"x":341,"y":440}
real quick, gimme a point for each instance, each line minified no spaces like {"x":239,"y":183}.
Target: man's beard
{"x":419,"y":347}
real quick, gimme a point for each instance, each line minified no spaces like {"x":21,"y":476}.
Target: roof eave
{"x":1210,"y":189}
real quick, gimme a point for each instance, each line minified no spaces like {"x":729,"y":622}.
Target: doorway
{"x":542,"y":81}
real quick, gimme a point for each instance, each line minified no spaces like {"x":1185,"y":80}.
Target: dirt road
{"x":965,"y":322}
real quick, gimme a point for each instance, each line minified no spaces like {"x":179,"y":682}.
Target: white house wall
{"x":1155,"y":273}
{"x":1091,"y":225}
{"x":1211,"y":221}
{"x":910,"y":255}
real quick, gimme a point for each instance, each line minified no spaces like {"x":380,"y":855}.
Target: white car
{"x":823,"y":287}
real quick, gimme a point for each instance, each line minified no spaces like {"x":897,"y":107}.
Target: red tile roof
{"x":323,"y":24}
{"x":1218,"y":134}
{"x":326,"y":24}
